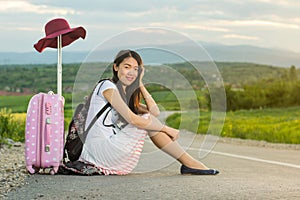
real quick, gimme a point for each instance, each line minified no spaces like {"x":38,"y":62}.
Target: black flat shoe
{"x":190,"y":171}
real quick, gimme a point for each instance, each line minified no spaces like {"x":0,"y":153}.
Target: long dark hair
{"x":133,"y":92}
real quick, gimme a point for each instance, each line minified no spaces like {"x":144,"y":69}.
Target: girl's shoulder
{"x":107,"y":82}
{"x":104,"y":85}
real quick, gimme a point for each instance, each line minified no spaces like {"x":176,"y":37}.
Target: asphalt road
{"x":247,"y":171}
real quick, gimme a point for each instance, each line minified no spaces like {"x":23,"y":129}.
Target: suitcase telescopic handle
{"x":48,"y":126}
{"x":48,"y":132}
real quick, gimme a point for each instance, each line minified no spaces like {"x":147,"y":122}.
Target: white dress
{"x":113,"y":150}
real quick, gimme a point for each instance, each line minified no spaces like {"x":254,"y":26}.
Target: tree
{"x":293,"y":76}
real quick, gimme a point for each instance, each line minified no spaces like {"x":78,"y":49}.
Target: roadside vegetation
{"x":12,"y":126}
{"x":276,"y":125}
{"x":263,"y":102}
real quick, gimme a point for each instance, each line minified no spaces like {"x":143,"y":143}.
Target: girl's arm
{"x":151,"y":105}
{"x":152,"y":123}
{"x":143,"y":108}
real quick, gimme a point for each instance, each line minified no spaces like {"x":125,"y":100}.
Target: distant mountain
{"x":247,"y":53}
{"x":47,"y":57}
{"x":218,"y":52}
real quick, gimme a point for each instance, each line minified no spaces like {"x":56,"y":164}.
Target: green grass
{"x":272,"y":125}
{"x":17,"y":104}
{"x":178,"y":100}
{"x":278,"y":125}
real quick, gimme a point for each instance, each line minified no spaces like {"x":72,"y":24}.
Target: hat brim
{"x":68,"y":36}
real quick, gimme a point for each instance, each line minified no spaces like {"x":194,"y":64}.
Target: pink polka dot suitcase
{"x":44,"y":132}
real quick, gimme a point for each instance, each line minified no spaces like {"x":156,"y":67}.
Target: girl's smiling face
{"x":127,"y":71}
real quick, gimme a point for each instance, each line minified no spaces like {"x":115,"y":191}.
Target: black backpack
{"x":76,"y":134}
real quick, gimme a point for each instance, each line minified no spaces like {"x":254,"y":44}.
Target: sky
{"x":262,"y":23}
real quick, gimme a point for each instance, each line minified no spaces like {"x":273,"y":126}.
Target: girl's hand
{"x":141,"y":71}
{"x":172,"y":133}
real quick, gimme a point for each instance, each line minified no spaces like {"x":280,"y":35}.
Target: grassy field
{"x":278,"y":125}
{"x":18,"y":104}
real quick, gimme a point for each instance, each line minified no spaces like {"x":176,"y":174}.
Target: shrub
{"x":10,"y":127}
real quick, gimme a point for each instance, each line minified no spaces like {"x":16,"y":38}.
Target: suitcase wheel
{"x":32,"y":169}
{"x":53,"y":170}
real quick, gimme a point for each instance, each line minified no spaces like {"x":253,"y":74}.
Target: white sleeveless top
{"x":112,"y":150}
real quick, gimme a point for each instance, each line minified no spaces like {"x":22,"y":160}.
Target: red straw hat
{"x":58,"y":27}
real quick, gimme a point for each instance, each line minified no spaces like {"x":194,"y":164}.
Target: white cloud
{"x":272,"y":2}
{"x":152,"y":30}
{"x":243,"y":37}
{"x":27,"y":29}
{"x":283,"y":3}
{"x":296,"y":20}
{"x":204,"y":27}
{"x":7,"y":28}
{"x":138,"y":14}
{"x":264,"y":23}
{"x":26,"y":7}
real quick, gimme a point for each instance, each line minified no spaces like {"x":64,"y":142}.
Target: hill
{"x":22,"y":78}
{"x":217,"y":52}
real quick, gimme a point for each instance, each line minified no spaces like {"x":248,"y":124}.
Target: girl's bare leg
{"x":166,"y":144}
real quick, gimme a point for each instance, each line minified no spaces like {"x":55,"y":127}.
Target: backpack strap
{"x":89,"y":98}
{"x":100,"y":111}
{"x":96,"y":117}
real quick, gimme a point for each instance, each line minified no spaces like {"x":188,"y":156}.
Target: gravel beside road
{"x":12,"y":168}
